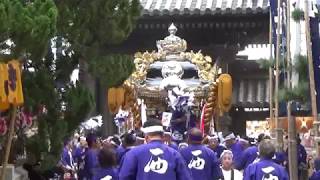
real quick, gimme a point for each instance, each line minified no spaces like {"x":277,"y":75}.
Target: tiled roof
{"x":251,"y":93}
{"x":211,"y":7}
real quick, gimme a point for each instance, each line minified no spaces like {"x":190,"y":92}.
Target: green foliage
{"x":29,"y":25}
{"x":299,"y":93}
{"x":79,"y":101}
{"x":65,"y":64}
{"x":91,"y":25}
{"x":297,"y":15}
{"x":86,"y":28}
{"x":267,"y":63}
{"x":38,"y":87}
{"x":112,"y":70}
{"x":46,"y":84}
{"x":301,"y":67}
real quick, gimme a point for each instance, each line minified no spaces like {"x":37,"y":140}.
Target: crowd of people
{"x":151,"y":154}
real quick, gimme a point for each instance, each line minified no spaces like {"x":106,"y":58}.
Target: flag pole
{"x":279,"y":133}
{"x":311,"y":77}
{"x":9,"y":142}
{"x":271,"y":72}
{"x":292,"y":144}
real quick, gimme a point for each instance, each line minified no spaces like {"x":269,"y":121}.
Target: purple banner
{"x":315,"y":39}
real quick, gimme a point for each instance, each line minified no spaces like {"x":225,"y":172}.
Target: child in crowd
{"x":228,"y":172}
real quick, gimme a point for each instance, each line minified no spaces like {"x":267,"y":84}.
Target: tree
{"x":90,"y":27}
{"x":28,"y":25}
{"x":29,"y":30}
{"x":26,"y":32}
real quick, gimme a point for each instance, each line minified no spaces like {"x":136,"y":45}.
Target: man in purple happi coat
{"x":107,"y":165}
{"x":91,"y":163}
{"x":214,"y":144}
{"x":265,"y":168}
{"x":235,"y":146}
{"x":200,"y":159}
{"x":154,"y":160}
{"x":316,"y":173}
{"x":250,"y":154}
{"x":168,"y":140}
{"x":128,"y":142}
{"x":66,"y":160}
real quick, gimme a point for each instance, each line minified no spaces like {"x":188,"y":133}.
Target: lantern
{"x":112,"y":100}
{"x":225,"y":92}
{"x":4,"y":104}
{"x":15,"y":94}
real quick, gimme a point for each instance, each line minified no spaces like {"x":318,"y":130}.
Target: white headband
{"x":230,"y":136}
{"x":152,"y":129}
{"x":181,"y":145}
{"x":212,"y":137}
{"x":140,"y":138}
{"x":226,"y":152}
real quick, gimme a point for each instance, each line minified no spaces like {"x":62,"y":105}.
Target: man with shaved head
{"x":201,"y":160}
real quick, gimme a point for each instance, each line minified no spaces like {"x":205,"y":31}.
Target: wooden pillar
{"x":279,"y":131}
{"x":311,"y":78}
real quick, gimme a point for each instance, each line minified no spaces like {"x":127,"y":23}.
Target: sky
{"x":255,"y":52}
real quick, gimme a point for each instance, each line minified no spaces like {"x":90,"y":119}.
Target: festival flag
{"x":315,"y":40}
{"x":283,"y":28}
{"x":143,"y":112}
{"x":283,"y":41}
{"x":274,"y":14}
{"x":202,"y":118}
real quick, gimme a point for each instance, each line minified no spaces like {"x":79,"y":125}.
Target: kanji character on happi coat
{"x":154,"y":160}
{"x":200,"y":159}
{"x":250,"y":154}
{"x":265,"y":168}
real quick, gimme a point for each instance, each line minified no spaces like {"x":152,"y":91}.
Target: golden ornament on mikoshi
{"x":224,"y":92}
